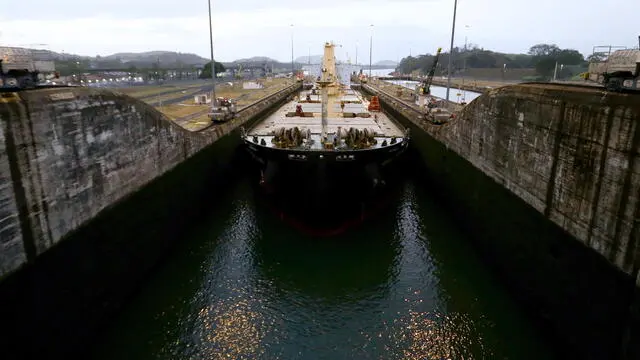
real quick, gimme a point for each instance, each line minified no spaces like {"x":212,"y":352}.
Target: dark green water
{"x":245,"y":285}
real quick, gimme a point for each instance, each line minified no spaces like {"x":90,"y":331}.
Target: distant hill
{"x":43,"y":54}
{"x":389,"y":63}
{"x":161,"y":59}
{"x":138,"y":59}
{"x":149,"y":57}
{"x":255,"y":59}
{"x":315,"y":59}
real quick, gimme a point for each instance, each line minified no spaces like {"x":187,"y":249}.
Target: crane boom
{"x":425,"y":86}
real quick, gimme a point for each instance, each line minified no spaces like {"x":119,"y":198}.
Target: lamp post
{"x":464,"y":66}
{"x":292,"y":66}
{"x":213,"y":63}
{"x":356,"y":53}
{"x":370,"y":49}
{"x":453,"y":30}
{"x":466,"y":28}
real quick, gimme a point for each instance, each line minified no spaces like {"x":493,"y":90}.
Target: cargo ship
{"x":328,"y":135}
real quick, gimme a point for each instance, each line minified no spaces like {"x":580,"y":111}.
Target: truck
{"x":622,"y":70}
{"x":18,"y":69}
{"x":222,"y":110}
{"x":619,"y":71}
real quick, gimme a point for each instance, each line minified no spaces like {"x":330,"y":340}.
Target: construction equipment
{"x":17,"y":69}
{"x":619,"y":72}
{"x":222,"y":110}
{"x":424,"y":88}
{"x":622,"y":70}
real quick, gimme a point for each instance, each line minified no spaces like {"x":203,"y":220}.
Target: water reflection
{"x":245,"y":285}
{"x":346,"y":268}
{"x":228,"y":329}
{"x":327,"y":201}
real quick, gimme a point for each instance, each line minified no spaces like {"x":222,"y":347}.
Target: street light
{"x":464,"y":66}
{"x":292,"y":67}
{"x":356,"y":53}
{"x":370,"y":49}
{"x":466,"y":28}
{"x":453,"y":30}
{"x":213,"y":63}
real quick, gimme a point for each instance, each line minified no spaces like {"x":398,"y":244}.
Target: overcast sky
{"x":245,"y":28}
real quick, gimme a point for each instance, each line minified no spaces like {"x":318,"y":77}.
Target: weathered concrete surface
{"x":78,"y":151}
{"x":570,"y":156}
{"x":107,"y":185}
{"x":12,"y":252}
{"x":573,"y":156}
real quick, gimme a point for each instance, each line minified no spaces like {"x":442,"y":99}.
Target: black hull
{"x":325,"y":169}
{"x":325,"y":193}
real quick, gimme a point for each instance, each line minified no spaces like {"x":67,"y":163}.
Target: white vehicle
{"x":223,"y":110}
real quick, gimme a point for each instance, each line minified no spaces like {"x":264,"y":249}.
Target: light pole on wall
{"x":453,"y":31}
{"x":292,"y":66}
{"x":213,"y":63}
{"x":370,"y":49}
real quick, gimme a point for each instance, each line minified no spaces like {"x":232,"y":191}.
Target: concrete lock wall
{"x":12,"y":253}
{"x":99,"y":186}
{"x":546,"y":181}
{"x":573,"y":158}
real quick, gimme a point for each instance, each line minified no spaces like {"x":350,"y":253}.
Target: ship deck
{"x":383,"y":127}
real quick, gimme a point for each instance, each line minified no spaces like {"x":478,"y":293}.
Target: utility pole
{"x":357,"y":53}
{"x":213,"y":63}
{"x":370,"y":49}
{"x":292,"y":66}
{"x":453,"y":30}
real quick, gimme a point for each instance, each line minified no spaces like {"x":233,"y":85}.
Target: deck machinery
{"x":330,"y":131}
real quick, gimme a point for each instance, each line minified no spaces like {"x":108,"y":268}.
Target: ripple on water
{"x":400,"y":288}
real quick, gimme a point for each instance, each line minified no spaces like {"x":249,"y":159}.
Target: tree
{"x":546,"y":56}
{"x":569,"y":57}
{"x":482,"y":59}
{"x":543,"y":50}
{"x":206,"y":72}
{"x":542,"y":57}
{"x":545,"y":65}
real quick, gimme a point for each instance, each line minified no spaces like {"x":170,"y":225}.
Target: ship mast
{"x":324,"y":94}
{"x":327,"y":80}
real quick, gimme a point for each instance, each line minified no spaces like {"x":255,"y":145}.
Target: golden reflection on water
{"x":231,"y":330}
{"x":433,"y":336}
